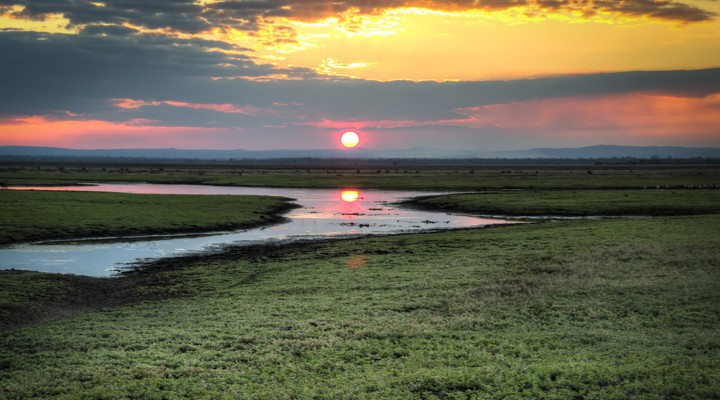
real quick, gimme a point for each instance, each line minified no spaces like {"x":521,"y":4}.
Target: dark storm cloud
{"x":82,"y":79}
{"x":428,"y":101}
{"x":179,"y":15}
{"x":659,"y":9}
{"x":110,"y":30}
{"x":225,"y":12}
{"x":186,"y":16}
{"x":311,"y":10}
{"x":45,"y":72}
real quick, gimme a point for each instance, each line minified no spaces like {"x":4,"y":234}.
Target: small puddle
{"x":324,"y":213}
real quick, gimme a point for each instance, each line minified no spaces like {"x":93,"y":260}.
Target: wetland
{"x":310,"y":213}
{"x":576,"y":308}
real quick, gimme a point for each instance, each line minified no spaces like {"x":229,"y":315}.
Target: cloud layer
{"x":141,"y":69}
{"x":191,"y":17}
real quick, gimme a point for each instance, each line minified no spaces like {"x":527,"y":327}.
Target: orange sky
{"x":418,"y":44}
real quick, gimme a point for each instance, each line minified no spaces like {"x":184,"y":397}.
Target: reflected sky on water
{"x":323,"y":213}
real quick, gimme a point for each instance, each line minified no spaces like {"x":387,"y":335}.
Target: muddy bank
{"x":36,"y":297}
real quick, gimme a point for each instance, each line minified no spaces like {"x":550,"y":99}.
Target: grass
{"x":399,"y":177}
{"x":34,"y":215}
{"x":578,"y":202}
{"x":575,"y":309}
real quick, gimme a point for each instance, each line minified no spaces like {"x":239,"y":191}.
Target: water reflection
{"x":357,"y":262}
{"x":351,"y":206}
{"x":349,"y":196}
{"x":323,"y":213}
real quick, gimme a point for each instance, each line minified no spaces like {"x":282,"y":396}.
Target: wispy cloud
{"x":132,"y":104}
{"x":631,"y":114}
{"x":41,"y":131}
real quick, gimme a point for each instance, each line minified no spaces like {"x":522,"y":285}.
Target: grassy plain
{"x":584,"y":309}
{"x":35,"y":215}
{"x":578,"y":202}
{"x":399,"y":177}
{"x":574,"y":309}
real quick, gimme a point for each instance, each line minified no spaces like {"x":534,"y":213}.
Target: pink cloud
{"x":635,"y":118}
{"x":631,"y":115}
{"x":92,"y":134}
{"x":353,"y":124}
{"x":130,"y":104}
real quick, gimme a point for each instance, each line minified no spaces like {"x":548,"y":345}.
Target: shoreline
{"x":275,"y":217}
{"x":128,"y":216}
{"x":563,"y":204}
{"x":90,"y":294}
{"x":117,"y":290}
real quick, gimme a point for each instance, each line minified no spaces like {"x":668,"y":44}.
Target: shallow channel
{"x":323,"y":213}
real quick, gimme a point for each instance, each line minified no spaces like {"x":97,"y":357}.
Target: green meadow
{"x":35,"y":215}
{"x":393,"y":177}
{"x":583,"y":309}
{"x":641,"y":202}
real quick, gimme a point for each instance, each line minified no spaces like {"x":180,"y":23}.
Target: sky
{"x":480,"y":75}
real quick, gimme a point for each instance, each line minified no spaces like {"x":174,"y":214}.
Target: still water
{"x":323,"y":213}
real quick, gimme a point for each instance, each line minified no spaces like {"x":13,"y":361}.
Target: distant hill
{"x":590,"y":152}
{"x":608,"y":151}
{"x":171,"y":153}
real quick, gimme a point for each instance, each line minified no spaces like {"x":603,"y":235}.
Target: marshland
{"x":619,"y":301}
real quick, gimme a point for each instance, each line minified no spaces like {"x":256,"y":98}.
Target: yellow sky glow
{"x":54,"y":23}
{"x":425,"y":45}
{"x":441,"y":45}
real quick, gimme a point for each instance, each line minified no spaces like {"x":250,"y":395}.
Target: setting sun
{"x":350,"y":139}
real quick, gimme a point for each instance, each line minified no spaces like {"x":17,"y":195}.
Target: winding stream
{"x":323,"y":213}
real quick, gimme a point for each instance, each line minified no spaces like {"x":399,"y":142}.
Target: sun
{"x":350,"y":139}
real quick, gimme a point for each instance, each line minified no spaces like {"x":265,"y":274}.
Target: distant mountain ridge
{"x":172,"y":153}
{"x":610,"y":151}
{"x":589,"y":152}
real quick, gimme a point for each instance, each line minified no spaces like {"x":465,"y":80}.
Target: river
{"x":323,"y":213}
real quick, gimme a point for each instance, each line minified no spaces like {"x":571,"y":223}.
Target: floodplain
{"x":559,"y":308}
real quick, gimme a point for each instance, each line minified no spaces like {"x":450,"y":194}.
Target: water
{"x":323,"y":213}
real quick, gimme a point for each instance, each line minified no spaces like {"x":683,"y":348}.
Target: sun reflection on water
{"x":323,"y":213}
{"x":357,"y":262}
{"x":349,"y":196}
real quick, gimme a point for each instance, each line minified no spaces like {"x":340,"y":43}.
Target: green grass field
{"x":578,"y":309}
{"x":398,"y":177}
{"x":578,"y":202}
{"x":34,"y":215}
{"x":575,"y":309}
